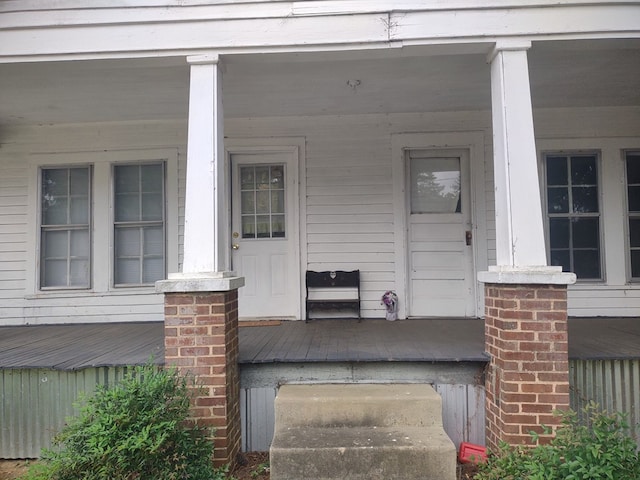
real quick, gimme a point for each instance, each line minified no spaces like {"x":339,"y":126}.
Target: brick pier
{"x":528,"y":374}
{"x":201,"y":339}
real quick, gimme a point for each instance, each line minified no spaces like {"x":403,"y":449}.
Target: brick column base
{"x":528,"y":374}
{"x":201,"y":338}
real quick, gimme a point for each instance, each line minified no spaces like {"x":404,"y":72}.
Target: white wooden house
{"x":427,"y":143}
{"x":352,"y":103}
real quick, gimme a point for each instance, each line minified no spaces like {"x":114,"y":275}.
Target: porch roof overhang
{"x":80,"y":61}
{"x":564,"y":74}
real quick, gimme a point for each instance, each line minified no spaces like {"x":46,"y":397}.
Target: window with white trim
{"x":92,"y":237}
{"x":632,"y":163}
{"x":65,"y":233}
{"x":573,"y":213}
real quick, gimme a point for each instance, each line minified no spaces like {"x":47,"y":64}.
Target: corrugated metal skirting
{"x":34,"y":404}
{"x":462,"y":416}
{"x":613,"y":384}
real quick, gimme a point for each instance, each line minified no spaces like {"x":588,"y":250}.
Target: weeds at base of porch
{"x":255,"y":468}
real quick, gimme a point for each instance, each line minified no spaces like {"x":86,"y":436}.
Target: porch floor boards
{"x":71,"y":347}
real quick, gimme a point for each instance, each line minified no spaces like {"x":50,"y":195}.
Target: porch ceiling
{"x":563,"y":74}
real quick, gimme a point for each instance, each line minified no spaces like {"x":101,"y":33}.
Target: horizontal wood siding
{"x":347,"y":201}
{"x":18,"y":302}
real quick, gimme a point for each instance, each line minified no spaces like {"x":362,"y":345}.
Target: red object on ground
{"x":471,"y":453}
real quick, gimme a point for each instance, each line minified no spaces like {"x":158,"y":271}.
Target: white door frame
{"x":474,"y":142}
{"x":288,"y":145}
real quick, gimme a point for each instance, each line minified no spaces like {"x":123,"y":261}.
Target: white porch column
{"x":519,"y":232}
{"x":205,"y":224}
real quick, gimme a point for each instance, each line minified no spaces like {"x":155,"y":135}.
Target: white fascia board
{"x":516,"y":22}
{"x":269,"y":26}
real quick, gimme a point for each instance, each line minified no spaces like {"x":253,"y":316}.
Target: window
{"x":139,"y":224}
{"x":434,"y":183}
{"x":65,"y":240}
{"x":262,"y":201}
{"x":632,"y":160}
{"x":573,"y":214}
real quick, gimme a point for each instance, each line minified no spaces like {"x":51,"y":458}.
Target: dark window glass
{"x":583,"y":170}
{"x":634,"y":198}
{"x":558,"y":200}
{"x":633,"y":168}
{"x":556,"y":171}
{"x":559,"y":232}
{"x":634,"y":232}
{"x":573,"y":214}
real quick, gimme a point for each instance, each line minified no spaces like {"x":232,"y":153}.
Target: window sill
{"x":146,"y":290}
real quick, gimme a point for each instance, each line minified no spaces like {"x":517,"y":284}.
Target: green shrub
{"x":596,"y":447}
{"x":136,"y":430}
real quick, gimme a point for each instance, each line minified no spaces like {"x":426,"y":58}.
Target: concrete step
{"x":336,"y":405}
{"x":360,"y":432}
{"x":362,"y":453}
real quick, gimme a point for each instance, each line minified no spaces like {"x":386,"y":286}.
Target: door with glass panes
{"x":265,"y":233}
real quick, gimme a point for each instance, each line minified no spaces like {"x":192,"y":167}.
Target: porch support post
{"x":519,"y":231}
{"x":205,"y":223}
{"x":201,"y":302}
{"x":525,"y":300}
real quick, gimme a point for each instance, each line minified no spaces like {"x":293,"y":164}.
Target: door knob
{"x":235,"y":246}
{"x":468,"y":237}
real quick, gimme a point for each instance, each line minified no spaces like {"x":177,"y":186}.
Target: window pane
{"x":583,"y":171}
{"x":633,"y":168}
{"x":248,"y":202}
{"x":262,"y":202}
{"x":55,"y":181}
{"x":128,"y":271}
{"x":561,"y":258}
{"x":557,"y":171}
{"x":55,"y":244}
{"x":79,"y":272}
{"x":277,"y":225}
{"x":247,"y":178}
{"x":55,"y":273}
{"x":79,"y":181}
{"x":586,"y":264}
{"x":127,"y":207}
{"x":634,"y":232}
{"x":248,"y":227}
{"x":152,"y":181}
{"x":127,"y":179}
{"x":55,"y":211}
{"x":80,"y":243}
{"x":152,"y":207}
{"x":127,"y":242}
{"x":277,"y":177}
{"x":435,"y":185}
{"x":153,"y":241}
{"x":633,"y":194}
{"x":558,"y":200}
{"x":635,"y":263}
{"x":262,"y":178}
{"x":277,"y":201}
{"x":585,"y":233}
{"x":559,"y":233}
{"x":585,"y":199}
{"x":263,"y":226}
{"x":153,"y":270}
{"x":79,"y":210}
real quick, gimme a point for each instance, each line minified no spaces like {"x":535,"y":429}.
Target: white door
{"x":265,"y":233}
{"x":441,"y":281}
